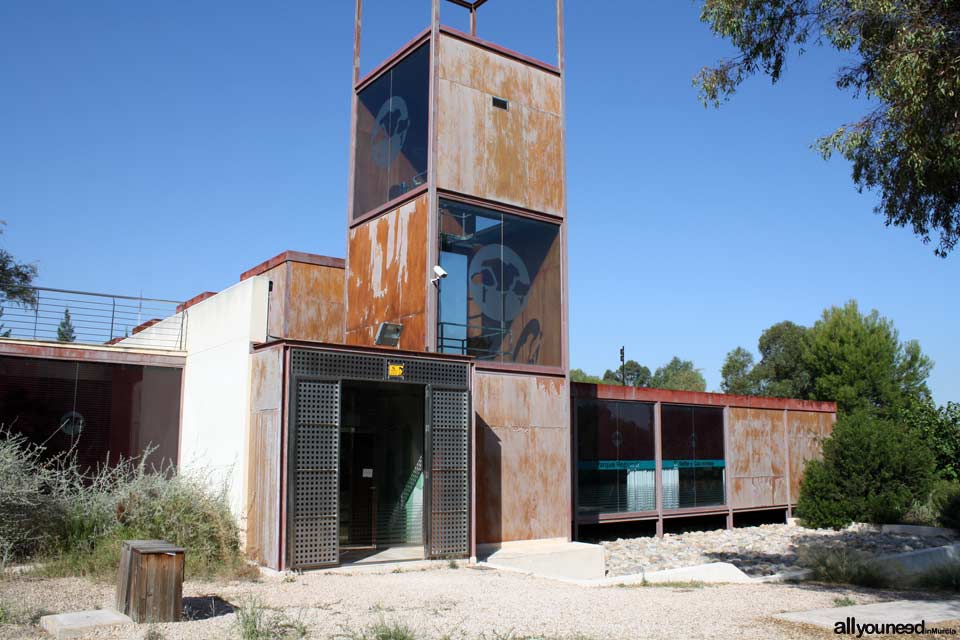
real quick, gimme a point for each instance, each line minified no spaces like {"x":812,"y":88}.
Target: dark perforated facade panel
{"x":360,"y":366}
{"x":316,"y":474}
{"x":450,"y":486}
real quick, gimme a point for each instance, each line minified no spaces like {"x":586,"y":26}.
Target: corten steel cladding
{"x":385,"y":282}
{"x":523,"y":453}
{"x":757,"y":458}
{"x":306,"y":296}
{"x":511,"y":155}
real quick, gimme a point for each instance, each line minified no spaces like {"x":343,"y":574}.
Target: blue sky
{"x":165,"y":147}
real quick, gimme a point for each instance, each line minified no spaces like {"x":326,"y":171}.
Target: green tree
{"x":679,"y":375}
{"x":859,"y":362}
{"x":939,"y":428}
{"x":579,"y":375}
{"x":16,"y":279}
{"x":65,"y":332}
{"x":781,"y":372}
{"x":905,"y":60}
{"x":633,"y":374}
{"x":737,"y":373}
{"x":872,"y":470}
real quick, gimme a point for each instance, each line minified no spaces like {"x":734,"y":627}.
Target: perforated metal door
{"x":449,"y":466}
{"x":316,"y":474}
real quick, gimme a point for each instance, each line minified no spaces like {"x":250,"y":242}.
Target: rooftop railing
{"x":83,"y":317}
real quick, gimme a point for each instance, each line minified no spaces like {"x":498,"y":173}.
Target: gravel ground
{"x":762,"y":550}
{"x":441,"y":602}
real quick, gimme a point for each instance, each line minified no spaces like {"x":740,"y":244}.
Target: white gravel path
{"x":441,"y":602}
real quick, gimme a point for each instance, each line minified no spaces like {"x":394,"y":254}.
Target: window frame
{"x":499,"y":208}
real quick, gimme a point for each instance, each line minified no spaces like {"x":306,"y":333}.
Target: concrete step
{"x":81,"y":623}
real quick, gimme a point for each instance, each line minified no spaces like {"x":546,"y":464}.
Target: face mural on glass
{"x":501,"y":300}
{"x":393,"y":123}
{"x":391,"y":136}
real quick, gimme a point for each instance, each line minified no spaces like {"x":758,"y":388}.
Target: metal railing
{"x":473,"y":340}
{"x":95,"y":318}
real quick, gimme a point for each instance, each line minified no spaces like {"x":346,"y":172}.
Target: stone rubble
{"x":757,"y":551}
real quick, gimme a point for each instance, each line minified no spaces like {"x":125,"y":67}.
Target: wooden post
{"x":150,"y":581}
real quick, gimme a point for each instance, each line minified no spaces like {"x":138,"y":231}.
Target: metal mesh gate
{"x":316,"y":498}
{"x":449,"y":464}
{"x":313,"y":517}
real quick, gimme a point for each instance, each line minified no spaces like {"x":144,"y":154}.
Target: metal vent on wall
{"x":357,"y":366}
{"x":450,"y":493}
{"x":316,"y":498}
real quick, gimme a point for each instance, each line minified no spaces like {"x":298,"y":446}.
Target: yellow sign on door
{"x":395,"y":370}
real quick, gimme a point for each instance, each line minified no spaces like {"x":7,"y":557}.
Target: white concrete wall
{"x":168,"y":335}
{"x":216,"y":383}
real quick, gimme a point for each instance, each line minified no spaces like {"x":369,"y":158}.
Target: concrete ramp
{"x":547,"y":558}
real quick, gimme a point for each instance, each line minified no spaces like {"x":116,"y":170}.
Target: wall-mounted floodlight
{"x":388,"y":335}
{"x":439,"y":273}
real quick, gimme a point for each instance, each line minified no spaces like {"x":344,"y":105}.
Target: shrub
{"x":940,"y":429}
{"x":77,"y":517}
{"x":873,"y":470}
{"x":946,"y":577}
{"x":843,"y":566}
{"x":928,"y":512}
{"x":29,"y":515}
{"x":950,"y":513}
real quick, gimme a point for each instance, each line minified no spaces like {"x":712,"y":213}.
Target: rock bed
{"x":757,"y":551}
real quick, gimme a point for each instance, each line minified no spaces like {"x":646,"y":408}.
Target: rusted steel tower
{"x":457,"y":233}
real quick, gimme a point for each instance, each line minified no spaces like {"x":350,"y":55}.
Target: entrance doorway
{"x":381,"y":467}
{"x":379,"y":457}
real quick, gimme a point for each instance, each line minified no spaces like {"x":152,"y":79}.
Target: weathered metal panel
{"x":543,"y":141}
{"x":91,"y":353}
{"x":523,"y":457}
{"x":315,"y":303}
{"x":512,"y":155}
{"x":643,"y":394}
{"x":471,"y":65}
{"x":805,"y":432}
{"x":756,"y":459}
{"x":264,"y":458}
{"x":387,"y":280}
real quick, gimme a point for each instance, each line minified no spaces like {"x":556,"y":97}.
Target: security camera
{"x":439,"y":274}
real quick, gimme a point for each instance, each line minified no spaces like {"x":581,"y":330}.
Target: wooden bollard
{"x":150,"y":581}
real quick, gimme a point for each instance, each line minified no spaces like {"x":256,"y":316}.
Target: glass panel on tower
{"x":392,"y":131}
{"x":501,"y":301}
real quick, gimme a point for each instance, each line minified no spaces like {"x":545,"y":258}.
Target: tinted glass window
{"x":693,"y":456}
{"x":392,"y":126}
{"x":615,"y":457}
{"x":501,"y":298}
